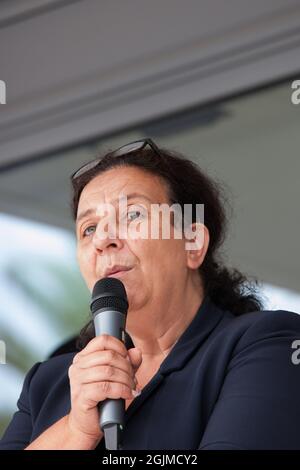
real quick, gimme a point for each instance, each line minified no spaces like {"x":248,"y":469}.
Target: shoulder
{"x":58,"y":362}
{"x":255,"y":333}
{"x":265,"y":324}
{"x":46,"y":375}
{"x":258,"y":341}
{"x":256,"y":382}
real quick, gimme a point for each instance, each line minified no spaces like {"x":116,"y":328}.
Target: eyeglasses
{"x":124,"y":150}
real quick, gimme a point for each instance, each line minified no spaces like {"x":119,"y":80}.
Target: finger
{"x":105,"y":357}
{"x":135,"y":356}
{"x":101,"y":390}
{"x":106,"y":374}
{"x":102,"y":343}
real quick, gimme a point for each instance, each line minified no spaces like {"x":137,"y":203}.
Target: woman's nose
{"x":105,"y":238}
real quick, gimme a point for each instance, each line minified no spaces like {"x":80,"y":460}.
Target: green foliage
{"x":61,"y":297}
{"x":4,"y":420}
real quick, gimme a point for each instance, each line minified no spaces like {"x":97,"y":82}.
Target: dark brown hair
{"x":187,"y":184}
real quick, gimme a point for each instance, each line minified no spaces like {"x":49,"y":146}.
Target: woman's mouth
{"x":117,"y":271}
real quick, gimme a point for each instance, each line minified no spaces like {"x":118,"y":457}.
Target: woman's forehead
{"x":114,"y":183}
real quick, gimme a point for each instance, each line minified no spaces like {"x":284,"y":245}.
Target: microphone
{"x":109,"y":306}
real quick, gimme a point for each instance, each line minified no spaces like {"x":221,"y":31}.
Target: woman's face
{"x":157,"y":265}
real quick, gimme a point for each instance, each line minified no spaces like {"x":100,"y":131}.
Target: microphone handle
{"x":112,"y":411}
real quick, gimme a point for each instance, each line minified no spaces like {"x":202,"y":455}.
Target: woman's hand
{"x":103,"y":369}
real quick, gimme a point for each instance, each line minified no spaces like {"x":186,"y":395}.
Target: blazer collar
{"x":204,"y":322}
{"x":206,"y":319}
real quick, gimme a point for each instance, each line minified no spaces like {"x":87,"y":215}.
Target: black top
{"x":228,"y":383}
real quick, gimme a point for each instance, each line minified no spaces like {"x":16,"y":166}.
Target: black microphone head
{"x":109,"y":293}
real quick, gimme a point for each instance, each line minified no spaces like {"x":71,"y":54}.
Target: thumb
{"x":135,"y":356}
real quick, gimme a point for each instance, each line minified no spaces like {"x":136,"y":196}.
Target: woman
{"x":204,"y":367}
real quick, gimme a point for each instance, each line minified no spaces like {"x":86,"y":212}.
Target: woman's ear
{"x":197,"y":245}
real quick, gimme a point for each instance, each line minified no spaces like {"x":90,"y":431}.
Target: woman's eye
{"x":84,"y":233}
{"x":132,"y":215}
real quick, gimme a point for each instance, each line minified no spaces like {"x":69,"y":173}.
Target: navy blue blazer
{"x":228,"y":383}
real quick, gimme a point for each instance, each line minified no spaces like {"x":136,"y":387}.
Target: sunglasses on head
{"x":124,"y":150}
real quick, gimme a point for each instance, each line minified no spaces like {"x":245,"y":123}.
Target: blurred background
{"x":210,"y":80}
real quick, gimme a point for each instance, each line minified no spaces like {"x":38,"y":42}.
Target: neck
{"x":156,"y":328}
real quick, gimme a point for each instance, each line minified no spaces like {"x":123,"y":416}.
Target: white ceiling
{"x":251,"y":143}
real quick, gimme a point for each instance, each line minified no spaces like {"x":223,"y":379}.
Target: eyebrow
{"x":129,"y":196}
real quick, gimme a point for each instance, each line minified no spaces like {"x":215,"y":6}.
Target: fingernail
{"x":136,"y":393}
